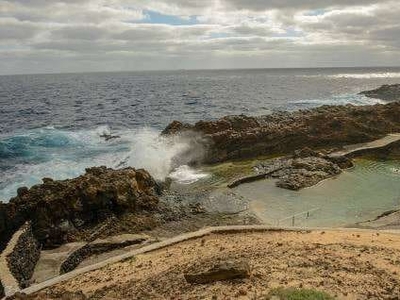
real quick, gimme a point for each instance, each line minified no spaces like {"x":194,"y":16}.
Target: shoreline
{"x":104,"y":202}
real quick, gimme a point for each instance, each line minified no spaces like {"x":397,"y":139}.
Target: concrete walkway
{"x":377,"y":144}
{"x":181,"y":238}
{"x":50,"y":261}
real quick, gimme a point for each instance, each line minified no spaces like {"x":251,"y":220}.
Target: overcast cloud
{"x":42,"y":36}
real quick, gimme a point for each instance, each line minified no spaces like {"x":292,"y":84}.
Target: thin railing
{"x":306,"y":214}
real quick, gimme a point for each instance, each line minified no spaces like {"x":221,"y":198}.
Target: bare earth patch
{"x":344,"y":264}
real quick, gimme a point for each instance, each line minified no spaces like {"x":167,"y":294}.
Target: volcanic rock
{"x":296,"y":173}
{"x":304,"y":168}
{"x":57,"y":209}
{"x":387,"y":92}
{"x":226,"y":270}
{"x":238,"y":137}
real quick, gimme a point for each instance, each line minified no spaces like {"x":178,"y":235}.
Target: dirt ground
{"x":345,"y":264}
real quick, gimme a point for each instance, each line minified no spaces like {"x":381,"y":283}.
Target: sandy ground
{"x":346,"y":264}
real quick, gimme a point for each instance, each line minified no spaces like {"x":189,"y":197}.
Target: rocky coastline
{"x":105,"y":202}
{"x":97,"y":208}
{"x":243,"y":137}
{"x":385,"y":92}
{"x":310,"y":134}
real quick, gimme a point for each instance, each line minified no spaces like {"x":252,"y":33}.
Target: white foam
{"x":186,"y":175}
{"x":367,"y":75}
{"x":395,"y":170}
{"x":355,"y":99}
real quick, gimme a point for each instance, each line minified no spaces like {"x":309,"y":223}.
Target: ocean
{"x":51,"y":124}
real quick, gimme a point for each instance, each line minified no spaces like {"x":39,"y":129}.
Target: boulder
{"x":226,"y":270}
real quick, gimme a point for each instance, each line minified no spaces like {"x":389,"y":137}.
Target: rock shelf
{"x":240,"y":137}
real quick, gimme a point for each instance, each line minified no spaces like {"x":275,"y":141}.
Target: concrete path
{"x":377,"y":144}
{"x":50,"y":261}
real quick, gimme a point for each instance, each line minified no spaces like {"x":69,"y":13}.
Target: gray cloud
{"x":94,"y":35}
{"x":14,"y":30}
{"x":293,"y":4}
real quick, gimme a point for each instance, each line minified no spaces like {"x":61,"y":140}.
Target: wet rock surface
{"x":387,"y":92}
{"x":223,"y":270}
{"x":303,"y":169}
{"x":238,"y":137}
{"x":59,"y":210}
{"x":298,"y":173}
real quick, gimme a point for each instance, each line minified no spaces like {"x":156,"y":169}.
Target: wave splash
{"x":28,"y":157}
{"x":186,"y":175}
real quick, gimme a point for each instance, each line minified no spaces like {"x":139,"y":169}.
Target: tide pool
{"x":359,"y":194}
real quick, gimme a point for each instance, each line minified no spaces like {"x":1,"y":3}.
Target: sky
{"x":56,"y":36}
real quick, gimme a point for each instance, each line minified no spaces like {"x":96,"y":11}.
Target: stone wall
{"x":24,"y":256}
{"x":1,"y":290}
{"x":95,"y":248}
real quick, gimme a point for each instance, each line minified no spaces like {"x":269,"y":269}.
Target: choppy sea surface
{"x":50,"y":125}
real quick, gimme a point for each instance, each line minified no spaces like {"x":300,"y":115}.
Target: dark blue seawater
{"x":51,"y":124}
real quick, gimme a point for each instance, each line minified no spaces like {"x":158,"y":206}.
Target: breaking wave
{"x":364,"y":75}
{"x":367,"y":75}
{"x":27,"y":157}
{"x":344,"y":99}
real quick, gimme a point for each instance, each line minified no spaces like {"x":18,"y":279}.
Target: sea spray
{"x":161,"y":154}
{"x":186,"y":175}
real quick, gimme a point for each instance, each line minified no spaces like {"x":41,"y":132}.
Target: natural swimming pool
{"x":362,"y":193}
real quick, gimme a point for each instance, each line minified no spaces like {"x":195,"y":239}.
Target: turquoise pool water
{"x":359,"y":194}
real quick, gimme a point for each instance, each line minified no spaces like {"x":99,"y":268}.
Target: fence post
{"x":293,"y":221}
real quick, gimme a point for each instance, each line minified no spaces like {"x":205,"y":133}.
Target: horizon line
{"x":195,"y":69}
